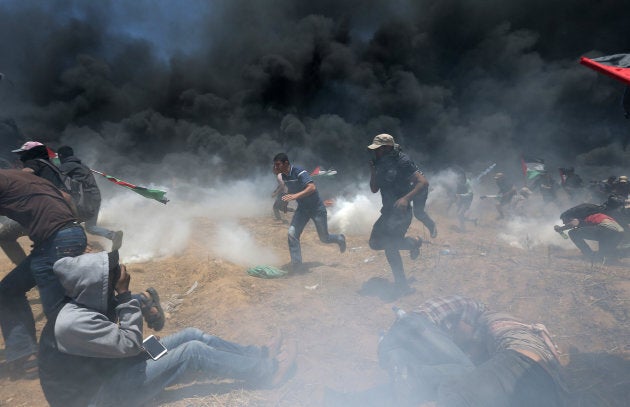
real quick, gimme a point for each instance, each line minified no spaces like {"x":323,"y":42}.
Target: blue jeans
{"x":299,"y":221}
{"x":16,"y":317}
{"x":508,"y":379}
{"x":93,"y":228}
{"x":189,"y":350}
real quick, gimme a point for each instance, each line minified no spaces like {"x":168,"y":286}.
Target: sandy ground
{"x":336,"y":310}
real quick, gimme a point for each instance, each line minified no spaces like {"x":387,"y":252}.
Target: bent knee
{"x":193,"y":332}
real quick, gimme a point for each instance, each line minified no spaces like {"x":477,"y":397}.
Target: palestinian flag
{"x":616,"y":66}
{"x":145,"y":192}
{"x":532,"y":167}
{"x":53,"y":157}
{"x":320,"y":172}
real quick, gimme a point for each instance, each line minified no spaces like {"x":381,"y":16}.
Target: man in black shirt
{"x":398,"y":179}
{"x":74,"y":168}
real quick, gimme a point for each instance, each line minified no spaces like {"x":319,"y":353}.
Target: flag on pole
{"x":616,"y":66}
{"x":145,"y":192}
{"x":532,"y":167}
{"x":483,"y":173}
{"x":320,"y":172}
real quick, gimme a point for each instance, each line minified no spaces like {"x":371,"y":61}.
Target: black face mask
{"x":34,"y":153}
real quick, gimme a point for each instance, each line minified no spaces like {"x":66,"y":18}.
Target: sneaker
{"x":117,"y":240}
{"x":434,"y":232}
{"x":342,"y":243}
{"x":152,"y":309}
{"x":24,"y":368}
{"x":414,"y":253}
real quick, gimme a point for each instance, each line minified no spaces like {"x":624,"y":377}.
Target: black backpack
{"x":581,"y":211}
{"x":76,"y":189}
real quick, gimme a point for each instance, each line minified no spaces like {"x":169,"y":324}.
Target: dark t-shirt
{"x":394,"y":177}
{"x":34,"y":203}
{"x":296,"y":181}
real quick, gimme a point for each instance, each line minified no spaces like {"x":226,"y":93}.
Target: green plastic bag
{"x":266,"y":272}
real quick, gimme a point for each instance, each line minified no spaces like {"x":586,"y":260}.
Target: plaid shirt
{"x":447,"y":311}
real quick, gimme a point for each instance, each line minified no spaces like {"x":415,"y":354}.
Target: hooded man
{"x":74,"y":168}
{"x":399,"y":181}
{"x":91,"y":348}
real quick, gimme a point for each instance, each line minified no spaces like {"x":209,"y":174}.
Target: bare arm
{"x":310,"y":189}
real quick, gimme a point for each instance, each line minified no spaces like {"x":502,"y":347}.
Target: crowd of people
{"x":453,"y":351}
{"x":91,"y":349}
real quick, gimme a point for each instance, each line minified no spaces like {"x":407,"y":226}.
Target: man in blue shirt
{"x":399,"y":180}
{"x":301,"y":188}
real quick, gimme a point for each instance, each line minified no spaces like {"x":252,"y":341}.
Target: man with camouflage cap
{"x":399,"y":180}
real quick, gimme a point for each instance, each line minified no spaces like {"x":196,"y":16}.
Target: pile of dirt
{"x":336,"y":309}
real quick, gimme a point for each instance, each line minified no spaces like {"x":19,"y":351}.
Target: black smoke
{"x":454,"y":81}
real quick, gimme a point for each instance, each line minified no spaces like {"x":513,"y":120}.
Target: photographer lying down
{"x":91,"y":350}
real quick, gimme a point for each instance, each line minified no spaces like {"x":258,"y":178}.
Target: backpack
{"x":76,"y":189}
{"x":581,"y":211}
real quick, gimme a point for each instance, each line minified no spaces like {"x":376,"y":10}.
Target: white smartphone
{"x":154,"y":347}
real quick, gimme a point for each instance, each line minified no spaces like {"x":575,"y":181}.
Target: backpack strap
{"x":62,"y":177}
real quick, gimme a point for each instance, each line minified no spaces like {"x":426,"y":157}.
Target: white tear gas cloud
{"x":152,"y":229}
{"x":354,"y":215}
{"x":234,"y":243}
{"x":239,"y":80}
{"x":529,"y":233}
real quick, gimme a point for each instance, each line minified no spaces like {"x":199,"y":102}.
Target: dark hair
{"x":65,"y":151}
{"x":282,"y":157}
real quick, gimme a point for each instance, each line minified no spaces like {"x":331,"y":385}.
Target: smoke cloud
{"x":236,"y":81}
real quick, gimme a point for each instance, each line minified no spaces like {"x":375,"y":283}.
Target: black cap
{"x":65,"y":151}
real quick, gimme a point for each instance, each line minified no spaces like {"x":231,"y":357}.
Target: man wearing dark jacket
{"x":74,"y":168}
{"x":399,"y":181}
{"x":91,"y":353}
{"x":40,"y":207}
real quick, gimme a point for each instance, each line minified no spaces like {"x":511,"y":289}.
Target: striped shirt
{"x":297,"y":179}
{"x":446,"y":312}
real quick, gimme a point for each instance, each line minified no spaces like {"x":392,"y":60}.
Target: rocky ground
{"x":337,"y":308}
